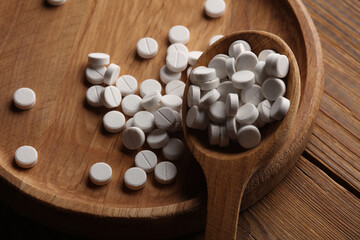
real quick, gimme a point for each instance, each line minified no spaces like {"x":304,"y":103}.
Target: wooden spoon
{"x":228,"y":170}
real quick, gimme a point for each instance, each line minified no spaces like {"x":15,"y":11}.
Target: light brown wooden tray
{"x":45,"y":48}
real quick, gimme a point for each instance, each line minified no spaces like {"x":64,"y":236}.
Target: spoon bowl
{"x":228,"y":170}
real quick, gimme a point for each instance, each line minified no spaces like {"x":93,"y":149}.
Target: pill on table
{"x":213,"y":39}
{"x":252,"y":95}
{"x":114,"y":121}
{"x":243,"y":79}
{"x":111,"y":97}
{"x":232,"y":127}
{"x":224,"y":136}
{"x":146,"y":160}
{"x":219,"y":64}
{"x":178,"y":47}
{"x":208,"y":85}
{"x":24,"y":98}
{"x":164,"y":118}
{"x":95,"y":75}
{"x":214,"y":134}
{"x":193,"y":57}
{"x":111,"y":74}
{"x":272,"y":88}
{"x":247,"y":114}
{"x":244,"y":43}
{"x":209,"y":98}
{"x":197,"y":118}
{"x":144,"y":120}
{"x":217,"y":112}
{"x":93,"y":96}
{"x":264,"y":109}
{"x":279,"y":108}
{"x":260,"y":73}
{"x":135,"y":178}
{"x":172,"y":101}
{"x":224,"y":89}
{"x":148,"y":86}
{"x":133,"y":138}
{"x":246,"y":61}
{"x":264,"y":53}
{"x":56,"y":2}
{"x":151,"y":100}
{"x":214,"y":8}
{"x":167,"y":76}
{"x":179,"y":34}
{"x":158,"y":138}
{"x":131,"y":104}
{"x":98,"y":59}
{"x":230,"y":67}
{"x":147,"y":47}
{"x":176,"y":61}
{"x":127,"y":84}
{"x":249,"y":136}
{"x":100,"y":173}
{"x":175,"y":87}
{"x":204,"y":74}
{"x":26,"y":157}
{"x":165,"y":172}
{"x":174,"y":150}
{"x":232,"y":104}
{"x":129,"y":123}
{"x":193,"y":96}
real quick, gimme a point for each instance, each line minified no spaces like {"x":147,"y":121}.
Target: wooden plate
{"x":45,"y":48}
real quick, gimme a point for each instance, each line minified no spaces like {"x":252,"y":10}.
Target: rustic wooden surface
{"x":319,"y":199}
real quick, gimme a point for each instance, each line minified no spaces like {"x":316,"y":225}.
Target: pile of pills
{"x":238,"y":93}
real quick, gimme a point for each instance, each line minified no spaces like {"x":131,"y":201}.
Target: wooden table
{"x":319,"y":199}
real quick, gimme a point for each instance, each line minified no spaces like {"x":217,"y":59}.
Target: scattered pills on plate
{"x":100,"y":173}
{"x":26,"y":157}
{"x":127,"y":84}
{"x":179,"y":34}
{"x":24,"y":98}
{"x":146,"y":160}
{"x":114,"y":121}
{"x":165,"y":172}
{"x":147,"y":47}
{"x":135,"y":178}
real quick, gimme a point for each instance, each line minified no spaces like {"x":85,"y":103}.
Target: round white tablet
{"x":129,"y":123}
{"x":149,"y":86}
{"x":273,"y":88}
{"x":98,"y":59}
{"x":217,"y":112}
{"x":215,"y":8}
{"x":56,"y":2}
{"x":26,"y":156}
{"x":219,"y":64}
{"x":277,"y":65}
{"x":232,"y":104}
{"x":93,"y":96}
{"x":158,"y":138}
{"x":165,"y":118}
{"x":224,"y":89}
{"x":100,"y":173}
{"x":204,"y":74}
{"x":209,"y":98}
{"x":280,"y":108}
{"x":193,"y":57}
{"x":146,"y":160}
{"x":24,"y":98}
{"x":131,"y":104}
{"x":193,"y":96}
{"x":95,"y":75}
{"x":264,"y":109}
{"x":175,"y":87}
{"x":135,"y":178}
{"x":246,"y":61}
{"x":111,"y":74}
{"x":167,"y":76}
{"x":151,"y":100}
{"x":252,"y":95}
{"x":114,"y":121}
{"x":260,"y":73}
{"x":172,"y":101}
{"x":208,"y":85}
{"x":165,"y":172}
{"x":111,"y":97}
{"x":179,"y":34}
{"x":174,"y":150}
{"x":133,"y":138}
{"x":249,"y":136}
{"x":232,"y":127}
{"x":178,"y":47}
{"x":176,"y":61}
{"x":214,"y":134}
{"x":230,"y":67}
{"x":197,"y":118}
{"x":144,"y":120}
{"x":243,"y":79}
{"x":127,"y":84}
{"x":244,"y":43}
{"x":147,"y":47}
{"x":192,"y":78}
{"x":247,"y":114}
{"x":213,"y":39}
{"x":264,"y":53}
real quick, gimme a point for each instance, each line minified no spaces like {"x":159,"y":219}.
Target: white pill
{"x":167,"y":76}
{"x":111,"y":74}
{"x":172,"y":101}
{"x":144,"y":120}
{"x":178,"y":123}
{"x":95,"y":75}
{"x":193,"y":96}
{"x":151,"y":100}
{"x":197,"y":118}
{"x":98,"y":59}
{"x":264,"y":53}
{"x":217,"y":112}
{"x":179,"y":34}
{"x":165,"y":172}
{"x":215,"y":8}
{"x":214,"y":134}
{"x":252,"y":95}
{"x":174,"y":150}
{"x":260,"y":73}
{"x":135,"y":178}
{"x":224,"y":137}
{"x":243,"y":79}
{"x":209,"y":98}
{"x":178,"y":47}
{"x":230,"y":67}
{"x":206,"y":86}
{"x":56,"y":2}
{"x":192,"y":78}
{"x":188,"y":71}
{"x":158,"y":138}
{"x":111,"y":97}
{"x":224,"y":89}
{"x":213,"y":39}
{"x":127,"y":84}
{"x":175,"y":87}
{"x":24,"y":98}
{"x":93,"y":96}
{"x":259,"y":123}
{"x":280,"y":108}
{"x":193,"y":57}
{"x":149,"y":86}
{"x":219,"y":64}
{"x":237,"y":50}
{"x":247,"y":114}
{"x":232,"y":104}
{"x":249,"y":136}
{"x":277,"y":65}
{"x":147,"y":47}
{"x":176,"y":61}
{"x":165,"y":118}
{"x":133,"y":138}
{"x":146,"y":160}
{"x":26,"y":157}
{"x":114,"y":121}
{"x":246,"y":61}
{"x":264,"y":109}
{"x":244,"y":43}
{"x":204,"y":74}
{"x":232,"y":127}
{"x":129,"y":123}
{"x":273,"y":88}
{"x":131,"y":104}
{"x":100,"y":173}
